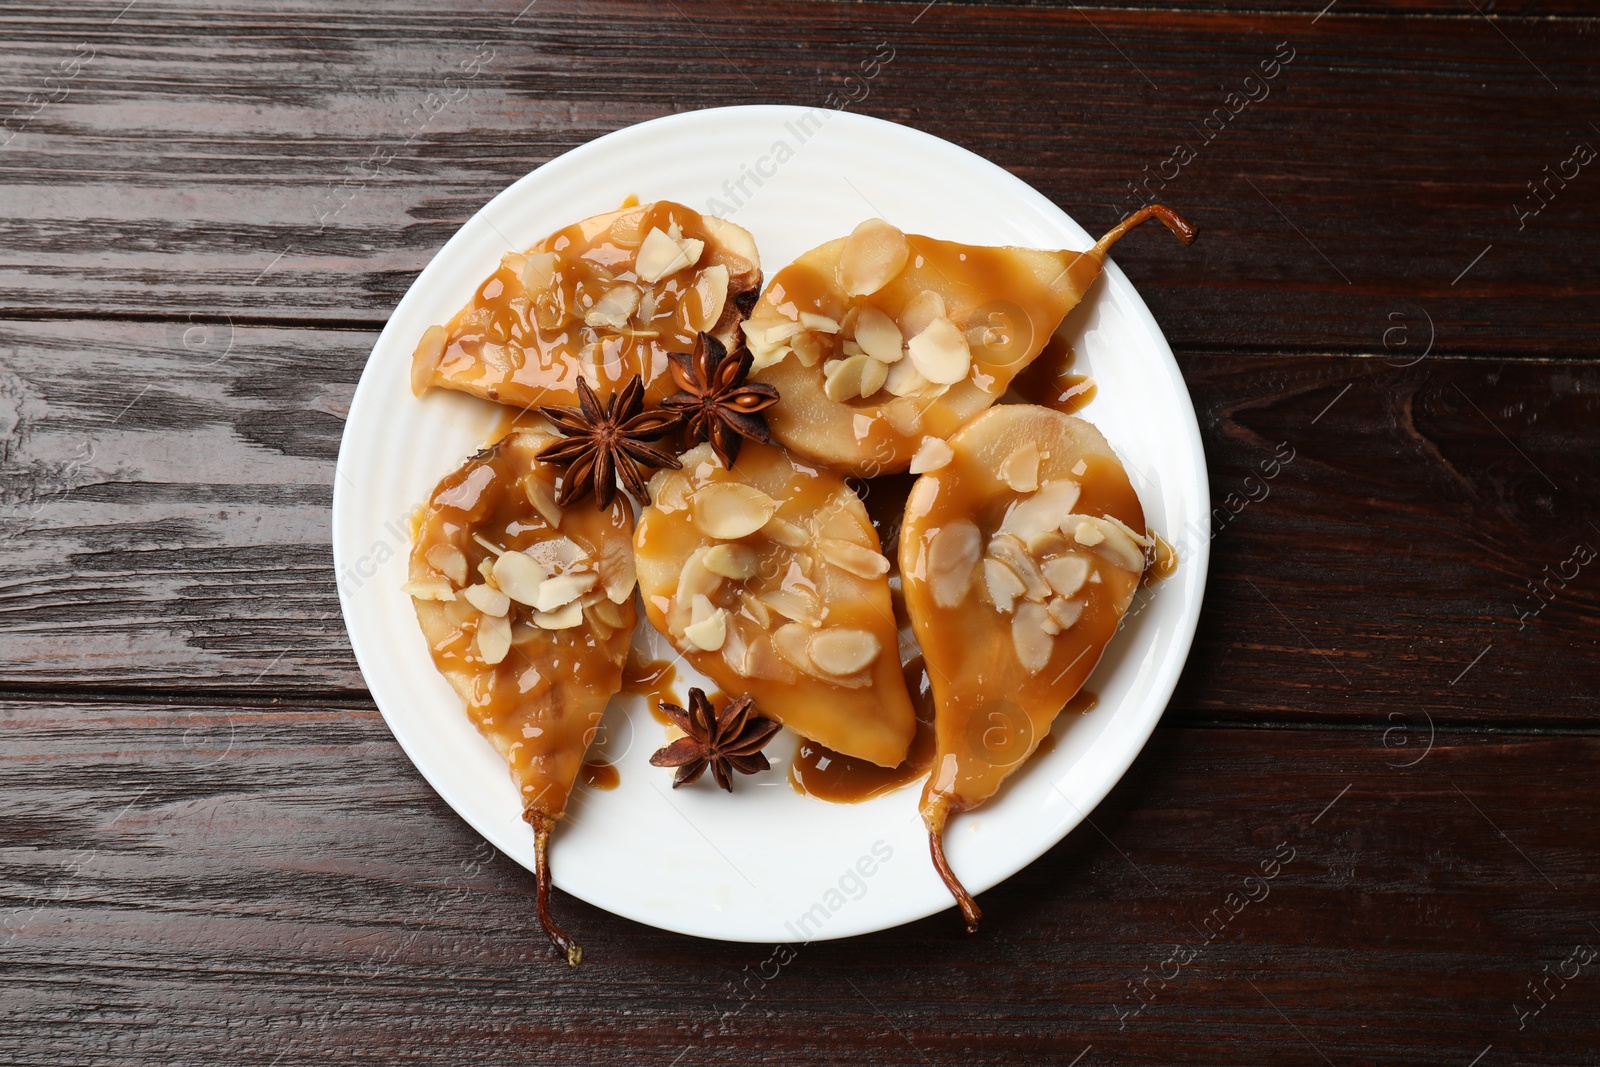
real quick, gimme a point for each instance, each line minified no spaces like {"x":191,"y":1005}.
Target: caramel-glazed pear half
{"x":1019,"y":558}
{"x":768,"y":577}
{"x":528,"y":612}
{"x":882,"y":340}
{"x":605,"y":298}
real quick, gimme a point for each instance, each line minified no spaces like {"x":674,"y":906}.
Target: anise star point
{"x":719,"y":403}
{"x":721,"y":742}
{"x":604,"y":441}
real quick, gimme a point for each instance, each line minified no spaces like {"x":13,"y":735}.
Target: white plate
{"x":765,"y":864}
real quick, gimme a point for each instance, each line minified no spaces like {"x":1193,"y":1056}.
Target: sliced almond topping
{"x":732,"y":561}
{"x":669,"y":491}
{"x":563,"y":618}
{"x":1021,"y":469}
{"x":1108,"y":538}
{"x":433,"y":587}
{"x":819,"y":323}
{"x":1002,"y":583}
{"x":810,"y":348}
{"x":755,"y":609}
{"x":1140,"y":539}
{"x":1065,"y":612}
{"x":617,"y":571}
{"x":425,"y":360}
{"x":952,"y":558}
{"x":731,"y":510}
{"x":791,"y":641}
{"x":1028,"y":637}
{"x":448,"y":561}
{"x":494,"y":638}
{"x":488,"y":544}
{"x":791,"y":604}
{"x":932,"y":454}
{"x":873,"y":375}
{"x":1066,"y":574}
{"x":1014,"y":554}
{"x":850,"y":348}
{"x":711,"y":296}
{"x":607,"y":611}
{"x":661,"y":255}
{"x":843,"y":376}
{"x":840,"y":651}
{"x":859,"y":560}
{"x":940,"y":352}
{"x":920,"y":312}
{"x":614,"y":309}
{"x":519,"y":577}
{"x":539,"y":271}
{"x":696,"y":577}
{"x":878,"y":336}
{"x":563,"y":589}
{"x":905,"y":380}
{"x":709,"y":633}
{"x":487,"y":600}
{"x":873,"y":254}
{"x":1079,"y":467}
{"x":1041,"y":512}
{"x":542,"y":495}
{"x":784,"y":532}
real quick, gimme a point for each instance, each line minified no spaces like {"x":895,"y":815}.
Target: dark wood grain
{"x":166,"y":522}
{"x":211,"y":159}
{"x":260,"y":884}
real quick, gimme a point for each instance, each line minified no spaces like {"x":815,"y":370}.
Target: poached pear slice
{"x":768,"y":577}
{"x":1019,"y":557}
{"x":528,"y":612}
{"x":604,"y":299}
{"x":881,"y":340}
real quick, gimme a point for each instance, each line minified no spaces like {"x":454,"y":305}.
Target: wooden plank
{"x":213,"y":159}
{"x":254,"y":884}
{"x":1377,"y":526}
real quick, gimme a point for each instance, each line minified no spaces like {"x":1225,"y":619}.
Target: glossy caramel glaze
{"x":1163,"y":561}
{"x":820,"y":772}
{"x":598,"y":774}
{"x":804,"y":625}
{"x":540,"y":703}
{"x":538,"y":321}
{"x":654,"y":680}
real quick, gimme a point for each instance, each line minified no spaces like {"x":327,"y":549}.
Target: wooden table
{"x":213,"y":851}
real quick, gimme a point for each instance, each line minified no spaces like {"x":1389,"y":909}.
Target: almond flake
{"x":731,"y":510}
{"x":563,"y":618}
{"x":1021,"y":469}
{"x":1065,"y":612}
{"x":952,"y":558}
{"x":1109,"y":538}
{"x":818,"y":323}
{"x":905,"y":380}
{"x":617,"y":571}
{"x":487,"y":600}
{"x":840,"y":651}
{"x":798,"y":606}
{"x":1041,"y":512}
{"x":1033,"y":646}
{"x":448,"y":561}
{"x":922,"y":310}
{"x":859,"y":560}
{"x":878,"y":336}
{"x":843,"y":376}
{"x":494,"y":638}
{"x":732,"y":561}
{"x":660,"y":255}
{"x":433,"y":587}
{"x":711,"y":296}
{"x":932,"y":454}
{"x":1014,"y":554}
{"x":563,"y":589}
{"x":614,"y":309}
{"x":1002,"y":583}
{"x":519,"y":577}
{"x":1066,"y":574}
{"x":784,"y":532}
{"x":873,"y":375}
{"x":542,"y":495}
{"x":940,"y":353}
{"x":872,"y":255}
{"x":709,"y":633}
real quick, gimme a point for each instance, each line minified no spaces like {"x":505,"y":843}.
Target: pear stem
{"x":935,"y":818}
{"x":542,"y":825}
{"x":1174,"y":222}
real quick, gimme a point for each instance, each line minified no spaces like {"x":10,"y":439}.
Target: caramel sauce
{"x":526,"y":346}
{"x":765,"y":652}
{"x":1163,"y":564}
{"x":1082,"y":702}
{"x":598,"y":774}
{"x":991,"y":707}
{"x":540,"y":704}
{"x":631,"y":200}
{"x":1047,"y":745}
{"x":820,"y":772}
{"x":1007,"y":302}
{"x":653,"y":680}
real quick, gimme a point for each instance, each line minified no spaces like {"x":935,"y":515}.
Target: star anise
{"x":728,"y":742}
{"x":720,"y":405}
{"x":604,"y":442}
